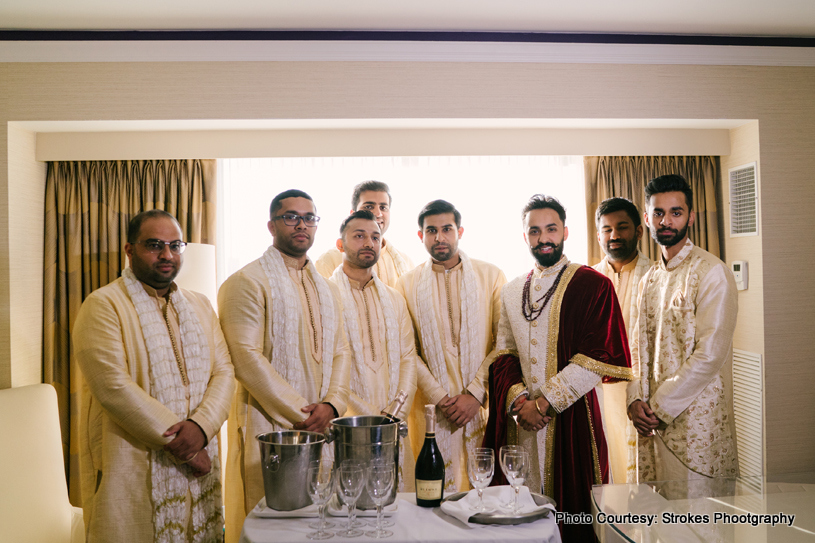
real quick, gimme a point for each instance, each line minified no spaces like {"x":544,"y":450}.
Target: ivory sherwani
{"x":620,"y":433}
{"x":455,"y":313}
{"x":391,"y":265}
{"x":681,"y":352}
{"x":576,"y":340}
{"x":292,"y":310}
{"x":382,"y":340}
{"x":122,"y":422}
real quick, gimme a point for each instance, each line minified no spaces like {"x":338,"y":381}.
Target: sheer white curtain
{"x":490,"y":192}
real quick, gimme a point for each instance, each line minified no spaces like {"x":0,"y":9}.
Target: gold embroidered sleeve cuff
{"x":569,"y":385}
{"x":661,"y":413}
{"x":515,"y":392}
{"x":601,"y":368}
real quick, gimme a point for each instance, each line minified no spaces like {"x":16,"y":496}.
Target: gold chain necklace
{"x":449,"y":305}
{"x":370,"y":329}
{"x":310,"y":311}
{"x":175,"y":347}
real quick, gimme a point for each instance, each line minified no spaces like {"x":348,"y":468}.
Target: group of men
{"x":531,"y":362}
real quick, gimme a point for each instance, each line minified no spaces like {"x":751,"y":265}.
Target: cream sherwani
{"x":681,"y":351}
{"x":265,"y":401}
{"x":120,"y":421}
{"x":372,"y":373}
{"x":620,"y":433}
{"x":392,"y":263}
{"x":447,"y":309}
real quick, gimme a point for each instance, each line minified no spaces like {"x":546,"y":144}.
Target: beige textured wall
{"x":379,"y":142}
{"x":749,"y":334}
{"x":26,"y":233}
{"x":780,"y":98}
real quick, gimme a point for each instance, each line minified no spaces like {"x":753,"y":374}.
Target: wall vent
{"x":748,"y":408}
{"x":743,"y":201}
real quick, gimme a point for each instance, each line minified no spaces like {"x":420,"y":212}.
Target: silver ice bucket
{"x":367,"y":439}
{"x":284,"y":459}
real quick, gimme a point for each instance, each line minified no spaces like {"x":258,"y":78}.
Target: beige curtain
{"x":622,"y":176}
{"x":87,"y":208}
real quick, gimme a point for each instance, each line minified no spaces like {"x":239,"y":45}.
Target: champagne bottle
{"x":393,"y":409}
{"x":429,"y":465}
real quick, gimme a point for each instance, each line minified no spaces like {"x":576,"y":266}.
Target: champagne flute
{"x":352,"y":481}
{"x":506,"y":502}
{"x":380,"y":483}
{"x":320,"y":488}
{"x":480,"y":468}
{"x":515,"y":470}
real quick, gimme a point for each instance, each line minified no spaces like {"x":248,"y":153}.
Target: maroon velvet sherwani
{"x":561,"y":334}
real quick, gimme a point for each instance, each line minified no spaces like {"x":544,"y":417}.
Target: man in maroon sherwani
{"x":561,"y":333}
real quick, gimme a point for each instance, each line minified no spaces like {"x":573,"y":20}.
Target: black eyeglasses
{"x":156,"y":245}
{"x":290,"y":219}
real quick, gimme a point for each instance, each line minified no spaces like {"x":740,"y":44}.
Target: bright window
{"x":489,"y":191}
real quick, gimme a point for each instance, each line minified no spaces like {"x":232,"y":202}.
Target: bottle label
{"x":428,"y":490}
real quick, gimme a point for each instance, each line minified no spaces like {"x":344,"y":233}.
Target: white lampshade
{"x":198,"y":271}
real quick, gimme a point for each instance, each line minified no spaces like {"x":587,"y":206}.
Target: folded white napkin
{"x":262,"y":511}
{"x":464,"y":508}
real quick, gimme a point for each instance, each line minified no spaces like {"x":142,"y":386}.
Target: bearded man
{"x":379,"y":331}
{"x":681,"y":349}
{"x":156,"y":387}
{"x":454,"y":302}
{"x":619,"y":230}
{"x":283,"y":324}
{"x":373,"y":196}
{"x":561,"y":334}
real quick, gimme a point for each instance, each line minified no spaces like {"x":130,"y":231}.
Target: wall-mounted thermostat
{"x":739,"y":268}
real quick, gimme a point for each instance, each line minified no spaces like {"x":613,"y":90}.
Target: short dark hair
{"x":372,"y":186}
{"x":291,"y":193}
{"x":438,"y":207}
{"x":613,"y":205}
{"x":134,"y":226}
{"x":361,"y":214}
{"x":669,"y":183}
{"x":541,"y":201}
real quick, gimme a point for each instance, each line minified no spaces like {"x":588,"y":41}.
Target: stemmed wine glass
{"x":506,"y":500}
{"x":480,"y":468}
{"x":380,"y":483}
{"x":351,"y":481}
{"x":515,"y":464}
{"x":320,"y":488}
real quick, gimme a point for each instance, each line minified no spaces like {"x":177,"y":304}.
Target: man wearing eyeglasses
{"x":283,"y":324}
{"x":157,"y":386}
{"x":373,"y":196}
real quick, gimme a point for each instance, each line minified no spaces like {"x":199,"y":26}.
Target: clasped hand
{"x":187,"y":446}
{"x":320,"y":414}
{"x":459,"y":409}
{"x":643,"y":418}
{"x":527,"y":414}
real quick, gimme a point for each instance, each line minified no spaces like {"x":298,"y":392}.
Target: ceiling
{"x":787,"y":18}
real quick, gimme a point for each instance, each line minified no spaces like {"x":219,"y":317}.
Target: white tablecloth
{"x":413,"y":523}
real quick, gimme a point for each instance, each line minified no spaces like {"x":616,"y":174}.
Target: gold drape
{"x":87,"y":208}
{"x":626,"y":177}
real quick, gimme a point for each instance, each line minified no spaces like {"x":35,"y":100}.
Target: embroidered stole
{"x":170,"y":482}
{"x":286,"y":310}
{"x":471,"y":350}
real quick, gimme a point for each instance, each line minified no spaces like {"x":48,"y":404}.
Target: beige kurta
{"x":447,"y":303}
{"x":621,"y":436}
{"x":264,"y":401}
{"x":392,"y":263}
{"x":376,"y":371}
{"x":121,"y":422}
{"x":681,"y":353}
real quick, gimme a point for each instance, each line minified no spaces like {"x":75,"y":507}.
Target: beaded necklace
{"x":530,"y":310}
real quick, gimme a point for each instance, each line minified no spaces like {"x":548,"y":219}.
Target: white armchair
{"x":34,"y":504}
